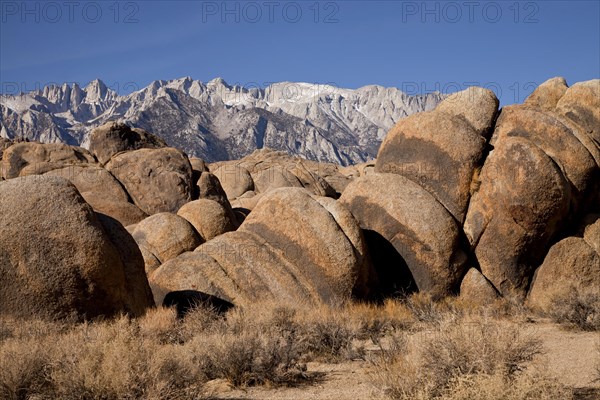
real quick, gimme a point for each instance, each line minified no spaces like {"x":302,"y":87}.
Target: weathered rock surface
{"x":591,"y":232}
{"x":198,"y":271}
{"x":4,"y":144}
{"x":547,"y":95}
{"x":31,"y":158}
{"x":94,"y":180}
{"x":198,"y":165}
{"x":556,"y":140}
{"x":421,"y":230}
{"x":124,"y":212}
{"x":133,"y":263}
{"x":443,"y":149}
{"x":234,"y":179}
{"x":58,"y":260}
{"x":274,"y":178}
{"x":307,"y":258}
{"x":166,"y":235}
{"x":581,"y":103}
{"x":308,"y":235}
{"x":476,"y":105}
{"x":439,"y":152}
{"x":209,"y":187}
{"x":247,"y":201}
{"x":208,"y":217}
{"x":276,"y":169}
{"x":570,"y":265}
{"x":475,"y":288}
{"x":113,"y":137}
{"x":519,"y":207}
{"x":365,"y":285}
{"x":158,"y":180}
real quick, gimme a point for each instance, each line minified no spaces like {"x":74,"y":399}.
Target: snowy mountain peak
{"x":217,"y":121}
{"x":96,"y":91}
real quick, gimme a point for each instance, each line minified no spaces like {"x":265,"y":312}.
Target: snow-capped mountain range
{"x":216,"y":121}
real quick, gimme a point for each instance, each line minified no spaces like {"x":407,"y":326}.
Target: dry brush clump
{"x":475,"y":358}
{"x":161,"y":355}
{"x":577,"y":309}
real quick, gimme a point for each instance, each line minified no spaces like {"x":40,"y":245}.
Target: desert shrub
{"x":161,"y":325}
{"x":249,"y":347}
{"x":319,"y":332}
{"x":328,"y":334}
{"x":428,"y":310}
{"x":577,"y":309}
{"x":114,"y":361}
{"x":373,"y":321}
{"x":523,"y":387}
{"x":430,"y":363}
{"x":117,"y":359}
{"x":24,"y":368}
{"x":245,"y":358}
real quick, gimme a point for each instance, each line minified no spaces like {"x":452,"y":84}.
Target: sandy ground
{"x":570,"y":357}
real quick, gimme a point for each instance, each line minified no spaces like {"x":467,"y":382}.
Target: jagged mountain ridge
{"x":216,"y":121}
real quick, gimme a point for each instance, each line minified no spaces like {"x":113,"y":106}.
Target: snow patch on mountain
{"x":217,"y":121}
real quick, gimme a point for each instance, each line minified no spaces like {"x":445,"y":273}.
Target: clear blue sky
{"x":413,"y":45}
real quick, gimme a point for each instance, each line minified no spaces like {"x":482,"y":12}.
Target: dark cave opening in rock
{"x":394,"y":278}
{"x":186,"y":300}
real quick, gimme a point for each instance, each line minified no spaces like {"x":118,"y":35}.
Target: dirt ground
{"x":571,"y":357}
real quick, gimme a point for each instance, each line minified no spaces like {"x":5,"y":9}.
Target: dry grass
{"x":577,"y":310}
{"x":474,"y":358}
{"x":162,"y":356}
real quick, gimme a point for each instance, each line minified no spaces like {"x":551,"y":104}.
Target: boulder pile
{"x":467,"y":199}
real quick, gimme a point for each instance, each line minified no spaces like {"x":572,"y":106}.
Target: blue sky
{"x":416,"y":46}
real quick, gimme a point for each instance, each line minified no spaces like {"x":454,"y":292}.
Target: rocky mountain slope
{"x":216,"y":121}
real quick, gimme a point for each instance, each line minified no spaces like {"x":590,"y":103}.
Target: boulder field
{"x":467,"y":199}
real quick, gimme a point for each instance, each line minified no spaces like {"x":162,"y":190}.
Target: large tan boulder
{"x":115,"y":137}
{"x":547,"y":95}
{"x":290,"y":249}
{"x":208,"y":217}
{"x":4,"y":144}
{"x":198,"y":165}
{"x":247,"y":201}
{"x":277,"y":169}
{"x":581,"y":103}
{"x":366,"y":281}
{"x":92,"y":179}
{"x":158,"y":180}
{"x":307,"y":234}
{"x":32,"y":158}
{"x":591,"y":232}
{"x":476,"y":289}
{"x":315,"y":183}
{"x":133,"y":263}
{"x":476,"y":105}
{"x":209,"y":187}
{"x":274,"y":178}
{"x":166,"y":235}
{"x":571,"y":265}
{"x":439,"y":152}
{"x":420,"y":229}
{"x":556,"y":140}
{"x":519,"y":207}
{"x":194,"y":271}
{"x":124,"y":212}
{"x":234,"y":179}
{"x":100,"y":189}
{"x":58,"y":260}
